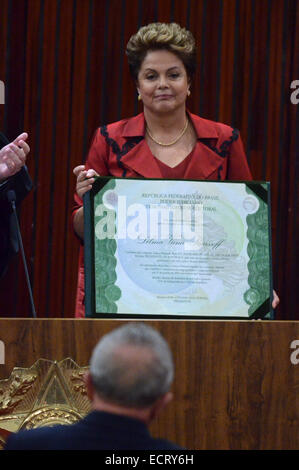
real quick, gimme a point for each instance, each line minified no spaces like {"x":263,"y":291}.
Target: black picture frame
{"x":261,"y":189}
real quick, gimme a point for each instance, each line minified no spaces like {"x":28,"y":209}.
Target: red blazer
{"x":120,"y":150}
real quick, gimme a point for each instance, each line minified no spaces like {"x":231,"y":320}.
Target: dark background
{"x":65,"y":73}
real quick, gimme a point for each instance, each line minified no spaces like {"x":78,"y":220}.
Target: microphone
{"x":11,"y":196}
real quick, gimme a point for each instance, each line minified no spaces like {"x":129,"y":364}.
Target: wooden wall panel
{"x":65,"y":73}
{"x":235,"y":386}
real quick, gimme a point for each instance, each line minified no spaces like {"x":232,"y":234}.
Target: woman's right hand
{"x":85,"y":179}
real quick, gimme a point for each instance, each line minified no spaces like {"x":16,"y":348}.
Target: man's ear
{"x":160,"y":404}
{"x":89,"y":385}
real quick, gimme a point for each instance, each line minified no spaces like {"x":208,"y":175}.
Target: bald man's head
{"x":132,"y":366}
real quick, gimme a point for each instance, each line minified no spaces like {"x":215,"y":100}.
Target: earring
{"x":188,"y":92}
{"x":139,"y":97}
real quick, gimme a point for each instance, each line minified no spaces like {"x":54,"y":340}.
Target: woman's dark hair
{"x":167,"y":36}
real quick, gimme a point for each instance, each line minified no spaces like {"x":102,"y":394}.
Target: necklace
{"x":170,"y":143}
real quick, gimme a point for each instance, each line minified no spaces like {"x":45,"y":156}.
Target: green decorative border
{"x":107,"y":292}
{"x":259,"y":278}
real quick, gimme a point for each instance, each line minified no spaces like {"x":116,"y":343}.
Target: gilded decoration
{"x":46,"y":394}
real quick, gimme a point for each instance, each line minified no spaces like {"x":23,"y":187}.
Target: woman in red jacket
{"x":165,"y":140}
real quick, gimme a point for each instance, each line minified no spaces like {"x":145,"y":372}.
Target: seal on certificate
{"x":250,"y":204}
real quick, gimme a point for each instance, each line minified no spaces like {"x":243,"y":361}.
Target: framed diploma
{"x":177,"y":249}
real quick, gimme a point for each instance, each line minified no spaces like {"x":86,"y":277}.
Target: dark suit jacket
{"x":21,"y":183}
{"x":97,"y":431}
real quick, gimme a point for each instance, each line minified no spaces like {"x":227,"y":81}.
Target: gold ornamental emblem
{"x":49,"y":416}
{"x":46,"y":394}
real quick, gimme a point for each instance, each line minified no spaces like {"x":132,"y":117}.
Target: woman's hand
{"x":13,"y":156}
{"x":85,"y":179}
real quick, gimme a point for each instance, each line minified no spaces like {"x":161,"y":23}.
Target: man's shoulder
{"x":164,"y":444}
{"x":74,"y":437}
{"x":42,"y":438}
{"x":3,"y":140}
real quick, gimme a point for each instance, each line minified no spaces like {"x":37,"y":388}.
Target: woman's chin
{"x":165,"y":106}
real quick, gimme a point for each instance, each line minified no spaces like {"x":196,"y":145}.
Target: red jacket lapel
{"x":141,"y":161}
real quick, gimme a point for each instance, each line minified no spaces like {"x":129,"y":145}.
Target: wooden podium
{"x":235,"y":386}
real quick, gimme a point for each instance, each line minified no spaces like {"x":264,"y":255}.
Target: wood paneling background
{"x":65,"y":73}
{"x":235,"y":386}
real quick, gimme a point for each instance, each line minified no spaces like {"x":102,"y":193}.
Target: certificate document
{"x":177,"y":249}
